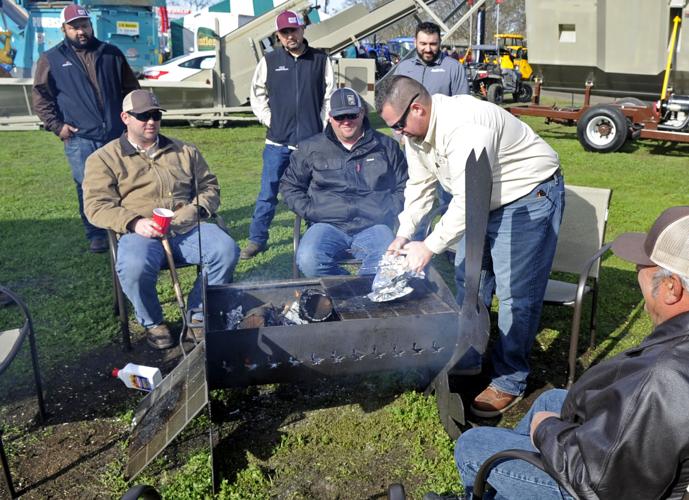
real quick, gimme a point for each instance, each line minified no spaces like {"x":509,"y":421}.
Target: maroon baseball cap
{"x":72,"y":12}
{"x":666,"y":244}
{"x":288,"y":19}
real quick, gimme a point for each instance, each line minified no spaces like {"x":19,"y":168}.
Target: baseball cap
{"x":666,"y":244}
{"x":140,"y":101}
{"x":288,"y":19}
{"x":345,"y":101}
{"x":72,"y":12}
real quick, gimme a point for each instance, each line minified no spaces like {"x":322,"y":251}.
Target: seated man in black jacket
{"x":348,"y":184}
{"x":621,"y":430}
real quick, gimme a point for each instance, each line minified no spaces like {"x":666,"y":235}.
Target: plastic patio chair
{"x":580,"y":249}
{"x":11,"y":342}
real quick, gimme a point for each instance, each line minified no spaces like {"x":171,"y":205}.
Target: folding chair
{"x":10,"y":344}
{"x":296,"y":237}
{"x":580,"y":249}
{"x":120,"y":300}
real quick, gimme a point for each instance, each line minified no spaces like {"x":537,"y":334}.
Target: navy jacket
{"x":352,"y":190}
{"x":296,"y":88}
{"x":68,"y":96}
{"x":623,"y":429}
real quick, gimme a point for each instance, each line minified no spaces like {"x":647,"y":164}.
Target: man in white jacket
{"x":526,"y":209}
{"x":290,"y":92}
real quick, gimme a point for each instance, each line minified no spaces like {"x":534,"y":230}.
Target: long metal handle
{"x":173,"y":275}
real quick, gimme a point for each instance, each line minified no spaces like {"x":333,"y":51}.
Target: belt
{"x":556,"y":174}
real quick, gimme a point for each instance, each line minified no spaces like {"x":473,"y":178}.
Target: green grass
{"x":340,"y":446}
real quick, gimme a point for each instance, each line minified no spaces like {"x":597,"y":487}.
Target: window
{"x":568,"y":33}
{"x":194,"y":63}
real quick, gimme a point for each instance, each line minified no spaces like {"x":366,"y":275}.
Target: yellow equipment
{"x":6,"y":56}
{"x":516,"y":46}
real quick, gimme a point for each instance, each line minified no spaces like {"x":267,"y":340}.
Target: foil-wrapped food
{"x":392,"y":279}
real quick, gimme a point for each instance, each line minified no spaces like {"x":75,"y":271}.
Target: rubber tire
{"x":631,"y":101}
{"x":496,"y":94}
{"x":610,"y":114}
{"x":524,"y":94}
{"x":396,"y":492}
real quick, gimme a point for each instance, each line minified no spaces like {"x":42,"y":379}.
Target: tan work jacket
{"x":122,"y":184}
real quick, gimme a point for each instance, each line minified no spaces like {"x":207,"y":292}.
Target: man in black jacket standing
{"x":78,"y":89}
{"x":348,"y":184}
{"x":621,"y":430}
{"x":289,"y":95}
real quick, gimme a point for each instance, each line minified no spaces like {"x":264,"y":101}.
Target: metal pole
{"x":173,"y":275}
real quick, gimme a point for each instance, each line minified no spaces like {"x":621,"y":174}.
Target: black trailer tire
{"x":631,"y":101}
{"x":496,"y":94}
{"x":602,"y":129}
{"x":524,"y":94}
{"x":396,"y":492}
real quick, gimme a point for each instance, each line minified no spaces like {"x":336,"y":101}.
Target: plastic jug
{"x":143,"y":378}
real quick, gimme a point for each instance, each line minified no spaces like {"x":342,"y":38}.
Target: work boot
{"x":251,"y":250}
{"x":98,"y":245}
{"x":493,"y":402}
{"x":159,"y":337}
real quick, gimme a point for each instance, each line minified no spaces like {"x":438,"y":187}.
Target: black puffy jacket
{"x":623,"y":431}
{"x":352,"y":190}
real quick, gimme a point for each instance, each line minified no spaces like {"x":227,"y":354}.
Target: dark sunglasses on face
{"x":157,"y":115}
{"x":402,"y":122}
{"x":341,"y":118}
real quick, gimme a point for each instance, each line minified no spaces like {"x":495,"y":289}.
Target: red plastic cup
{"x":163,"y":217}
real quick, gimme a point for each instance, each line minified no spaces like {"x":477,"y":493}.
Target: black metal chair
{"x":533,"y":458}
{"x":11,"y":342}
{"x":120,"y":307}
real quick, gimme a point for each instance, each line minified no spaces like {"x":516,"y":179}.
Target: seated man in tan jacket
{"x":126,"y":180}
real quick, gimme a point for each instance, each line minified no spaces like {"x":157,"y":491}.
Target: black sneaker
{"x":159,"y":337}
{"x":98,"y":245}
{"x":251,"y":250}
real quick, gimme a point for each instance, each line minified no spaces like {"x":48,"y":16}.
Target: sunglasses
{"x":402,"y":122}
{"x":341,"y":118}
{"x":157,"y":115}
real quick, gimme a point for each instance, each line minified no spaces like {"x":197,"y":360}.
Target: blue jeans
{"x":514,"y":479}
{"x":444,"y":199}
{"x":140,"y":259}
{"x":520,"y":246}
{"x":324,"y":245}
{"x":77,"y":149}
{"x":275,"y":161}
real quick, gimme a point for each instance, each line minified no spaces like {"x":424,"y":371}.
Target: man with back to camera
{"x":131,"y":176}
{"x":621,"y":430}
{"x":439,"y":74}
{"x":348,"y":184}
{"x":524,"y":222}
{"x":77,"y":93}
{"x":289,"y":95}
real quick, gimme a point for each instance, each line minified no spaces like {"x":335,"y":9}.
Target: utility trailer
{"x":605,"y":128}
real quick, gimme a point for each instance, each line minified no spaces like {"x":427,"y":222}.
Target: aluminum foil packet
{"x":392,"y":279}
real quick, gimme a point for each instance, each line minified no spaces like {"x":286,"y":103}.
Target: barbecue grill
{"x":423,"y":330}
